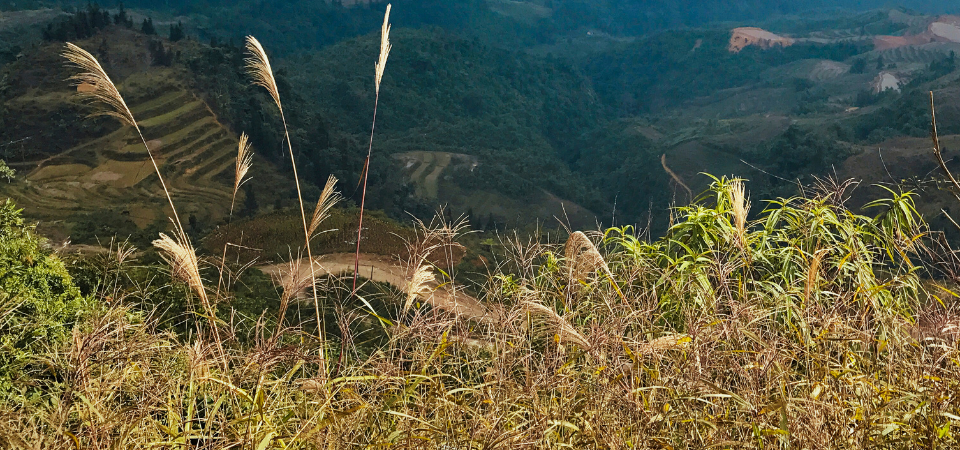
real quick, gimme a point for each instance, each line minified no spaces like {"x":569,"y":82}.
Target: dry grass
{"x":419,"y":285}
{"x":259,"y":68}
{"x":697,"y":353}
{"x":814,"y":329}
{"x":385,"y":48}
{"x":740,"y":207}
{"x":244,"y":162}
{"x":381,"y":66}
{"x":329,"y":198}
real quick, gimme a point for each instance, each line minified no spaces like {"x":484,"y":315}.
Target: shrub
{"x":38,"y":302}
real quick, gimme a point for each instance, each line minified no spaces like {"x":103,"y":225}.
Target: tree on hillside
{"x":176,"y":32}
{"x":121,"y":18}
{"x":859,"y":66}
{"x":147,"y":27}
{"x":81,"y":25}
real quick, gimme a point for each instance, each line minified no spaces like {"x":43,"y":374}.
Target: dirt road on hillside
{"x":388,"y":270}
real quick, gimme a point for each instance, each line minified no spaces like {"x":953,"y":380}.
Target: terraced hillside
{"x":425,"y":168}
{"x":195,"y":151}
{"x":435,"y":176}
{"x":916,"y":56}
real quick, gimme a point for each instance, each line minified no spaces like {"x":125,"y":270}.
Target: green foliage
{"x":176,"y":32}
{"x":772,"y":257}
{"x":101,"y":226}
{"x":907,"y":114}
{"x":859,"y":66}
{"x":799,"y":152}
{"x":521,"y":115}
{"x":81,"y":25}
{"x":326,"y":149}
{"x":662,"y":70}
{"x":39,"y":303}
{"x":5,"y":171}
{"x":147,"y":27}
{"x":611,"y":155}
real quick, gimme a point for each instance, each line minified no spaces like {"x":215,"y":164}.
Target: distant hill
{"x":580,"y":125}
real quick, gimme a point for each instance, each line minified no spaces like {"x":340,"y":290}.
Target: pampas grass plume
{"x":104,"y":91}
{"x":328,"y":199}
{"x":179,"y":253}
{"x":419,"y":284}
{"x":385,"y":47}
{"x":564,"y":328}
{"x":244,"y":162}
{"x":740,"y":206}
{"x":258,"y":65}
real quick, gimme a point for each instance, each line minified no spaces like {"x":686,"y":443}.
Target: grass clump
{"x":809,"y":326}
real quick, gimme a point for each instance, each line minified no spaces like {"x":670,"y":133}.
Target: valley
{"x":605,"y":107}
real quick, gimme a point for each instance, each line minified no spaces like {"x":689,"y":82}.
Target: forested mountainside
{"x":490,"y":130}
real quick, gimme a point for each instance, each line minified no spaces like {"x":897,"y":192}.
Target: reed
{"x":419,"y":285}
{"x":103,"y":94}
{"x":381,"y":66}
{"x":329,"y":198}
{"x":259,"y":68}
{"x":244,"y":162}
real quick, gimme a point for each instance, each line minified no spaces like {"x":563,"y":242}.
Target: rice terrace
{"x":479,"y":224}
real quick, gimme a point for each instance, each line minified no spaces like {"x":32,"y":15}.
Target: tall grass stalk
{"x":258,"y":65}
{"x":381,"y":65}
{"x":179,"y":251}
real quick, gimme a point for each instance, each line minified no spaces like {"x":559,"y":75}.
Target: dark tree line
{"x":86,"y":22}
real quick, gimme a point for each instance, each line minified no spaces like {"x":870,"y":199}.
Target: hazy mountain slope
{"x":71,"y":166}
{"x":521,"y":116}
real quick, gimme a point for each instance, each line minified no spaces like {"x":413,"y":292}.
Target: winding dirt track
{"x":383,"y":269}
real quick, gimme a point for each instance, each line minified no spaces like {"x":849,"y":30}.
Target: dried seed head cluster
{"x":385,"y":48}
{"x":328,"y":199}
{"x":419,"y":284}
{"x":244,"y":162}
{"x":180,"y":255}
{"x":258,"y":66}
{"x":740,"y":206}
{"x":583,"y":257}
{"x":97,"y":86}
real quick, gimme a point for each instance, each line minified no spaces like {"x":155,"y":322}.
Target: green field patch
{"x":225,"y":160}
{"x":179,"y":141}
{"x":121,"y":174}
{"x":58,"y":171}
{"x":126,"y":156}
{"x":425,"y":168}
{"x":279,"y":235}
{"x":169,"y":102}
{"x":177,"y":117}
